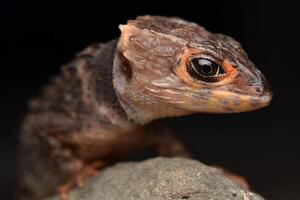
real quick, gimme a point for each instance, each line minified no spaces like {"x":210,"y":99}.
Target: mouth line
{"x":236,"y":103}
{"x":253,"y":102}
{"x":232,"y":96}
{"x":260,"y":101}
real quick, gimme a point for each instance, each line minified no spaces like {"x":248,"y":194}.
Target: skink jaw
{"x":262,"y":101}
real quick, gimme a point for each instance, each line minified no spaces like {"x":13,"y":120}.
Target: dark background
{"x":37,"y":37}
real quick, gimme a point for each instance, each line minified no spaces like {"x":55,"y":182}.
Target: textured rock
{"x":161,"y":178}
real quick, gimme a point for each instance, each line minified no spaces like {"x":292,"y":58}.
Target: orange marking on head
{"x":227,"y":66}
{"x":229,"y":69}
{"x":182,"y":73}
{"x":181,"y":69}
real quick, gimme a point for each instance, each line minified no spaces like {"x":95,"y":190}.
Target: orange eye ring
{"x":183,"y":74}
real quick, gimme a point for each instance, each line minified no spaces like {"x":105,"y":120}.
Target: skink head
{"x":168,"y":67}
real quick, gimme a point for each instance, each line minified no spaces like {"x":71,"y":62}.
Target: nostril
{"x":257,"y":89}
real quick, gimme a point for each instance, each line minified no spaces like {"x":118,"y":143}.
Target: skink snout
{"x":263,"y":94}
{"x":259,"y":84}
{"x":260,"y":90}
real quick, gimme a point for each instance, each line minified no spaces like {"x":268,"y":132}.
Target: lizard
{"x":106,"y":103}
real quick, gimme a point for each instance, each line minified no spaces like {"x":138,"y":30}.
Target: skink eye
{"x":204,"y":69}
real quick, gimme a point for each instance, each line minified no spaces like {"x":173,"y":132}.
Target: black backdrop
{"x":37,"y":37}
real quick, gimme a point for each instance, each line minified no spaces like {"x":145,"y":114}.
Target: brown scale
{"x":106,"y":103}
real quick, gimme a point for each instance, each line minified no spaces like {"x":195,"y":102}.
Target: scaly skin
{"x":105,"y":104}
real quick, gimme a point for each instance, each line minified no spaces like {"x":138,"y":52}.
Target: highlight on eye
{"x":204,"y":69}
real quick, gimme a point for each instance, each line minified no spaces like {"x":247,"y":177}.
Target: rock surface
{"x":161,"y":179}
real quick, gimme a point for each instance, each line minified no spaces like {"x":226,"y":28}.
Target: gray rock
{"x":161,"y":178}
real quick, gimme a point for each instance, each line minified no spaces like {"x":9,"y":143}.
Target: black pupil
{"x":205,"y":67}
